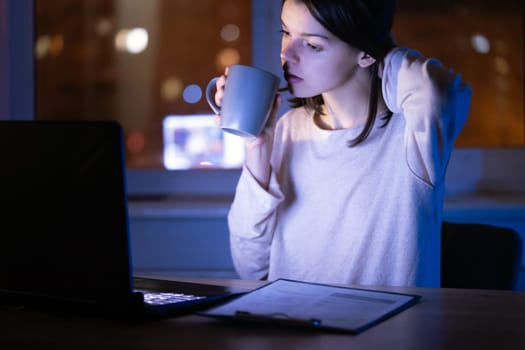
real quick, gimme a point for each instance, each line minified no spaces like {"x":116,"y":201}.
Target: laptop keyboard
{"x":162,"y":298}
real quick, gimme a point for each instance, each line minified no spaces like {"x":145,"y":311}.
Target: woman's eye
{"x":314,"y":47}
{"x":284,"y":32}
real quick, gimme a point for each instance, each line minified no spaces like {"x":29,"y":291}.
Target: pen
{"x":279,"y":318}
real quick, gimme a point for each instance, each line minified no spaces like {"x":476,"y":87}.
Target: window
{"x":483,"y":40}
{"x":96,"y":62}
{"x":146,"y":63}
{"x":139,"y":62}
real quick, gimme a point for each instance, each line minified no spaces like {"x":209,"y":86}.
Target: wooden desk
{"x":444,"y":319}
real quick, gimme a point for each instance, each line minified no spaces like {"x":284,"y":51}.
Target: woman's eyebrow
{"x":309,"y":35}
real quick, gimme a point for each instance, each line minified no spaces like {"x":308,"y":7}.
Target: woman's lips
{"x":293,"y":79}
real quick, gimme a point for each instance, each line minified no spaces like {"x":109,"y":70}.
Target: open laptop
{"x":64,"y":230}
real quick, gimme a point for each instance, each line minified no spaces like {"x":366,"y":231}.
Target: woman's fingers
{"x":220,"y":86}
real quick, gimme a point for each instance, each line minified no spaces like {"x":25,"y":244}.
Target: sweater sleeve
{"x":251,"y":222}
{"x":435,"y":103}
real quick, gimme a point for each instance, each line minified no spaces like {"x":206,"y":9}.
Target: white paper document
{"x":314,"y":305}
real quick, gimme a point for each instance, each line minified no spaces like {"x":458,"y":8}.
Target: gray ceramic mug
{"x":247,"y":102}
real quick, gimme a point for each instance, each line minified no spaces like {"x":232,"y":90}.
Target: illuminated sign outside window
{"x":195,"y":141}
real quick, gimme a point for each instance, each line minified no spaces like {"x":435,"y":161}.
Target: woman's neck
{"x":347,"y":105}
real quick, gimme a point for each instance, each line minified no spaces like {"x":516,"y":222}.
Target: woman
{"x":347,"y":187}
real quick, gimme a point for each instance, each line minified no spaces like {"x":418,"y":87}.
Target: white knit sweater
{"x":369,"y":214}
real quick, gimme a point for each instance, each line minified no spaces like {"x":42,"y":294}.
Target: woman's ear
{"x":365,"y":60}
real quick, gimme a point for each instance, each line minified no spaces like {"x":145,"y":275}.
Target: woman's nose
{"x":288,"y":53}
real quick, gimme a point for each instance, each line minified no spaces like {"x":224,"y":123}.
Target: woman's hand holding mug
{"x":246,"y":103}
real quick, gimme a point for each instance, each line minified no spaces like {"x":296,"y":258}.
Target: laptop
{"x":64,"y":229}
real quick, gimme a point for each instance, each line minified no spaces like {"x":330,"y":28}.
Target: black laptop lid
{"x":63,"y":207}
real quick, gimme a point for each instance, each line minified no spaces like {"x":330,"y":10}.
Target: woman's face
{"x":315,"y":60}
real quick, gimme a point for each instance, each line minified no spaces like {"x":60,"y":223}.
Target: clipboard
{"x":315,"y":306}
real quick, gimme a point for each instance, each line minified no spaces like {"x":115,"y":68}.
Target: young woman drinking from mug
{"x":347,"y":186}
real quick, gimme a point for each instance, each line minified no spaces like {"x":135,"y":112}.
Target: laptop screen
{"x":63,"y":205}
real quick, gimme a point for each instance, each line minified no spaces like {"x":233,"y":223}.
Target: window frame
{"x":17,"y":88}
